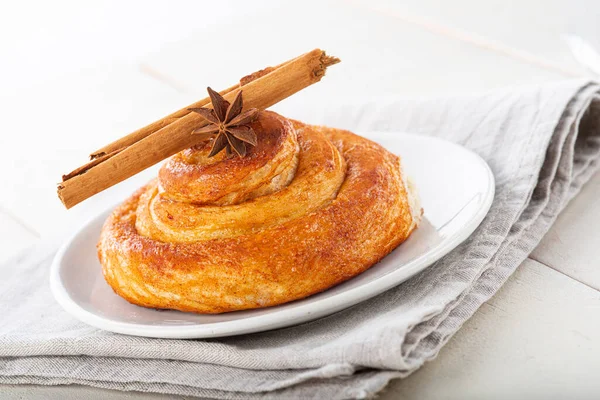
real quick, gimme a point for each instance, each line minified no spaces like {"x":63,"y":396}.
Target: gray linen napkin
{"x":542,"y":144}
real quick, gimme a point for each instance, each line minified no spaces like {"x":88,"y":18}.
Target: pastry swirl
{"x":309,"y":207}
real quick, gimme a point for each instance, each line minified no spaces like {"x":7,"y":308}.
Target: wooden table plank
{"x":536,"y":338}
{"x":95,"y":106}
{"x":571,"y":245}
{"x":380,"y":56}
{"x":14,"y":237}
{"x":532,"y":29}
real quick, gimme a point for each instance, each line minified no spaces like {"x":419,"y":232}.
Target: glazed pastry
{"x":307,"y":208}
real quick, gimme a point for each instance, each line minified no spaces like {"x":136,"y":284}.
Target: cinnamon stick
{"x":161,"y":123}
{"x":138,"y":135}
{"x":160,"y":140}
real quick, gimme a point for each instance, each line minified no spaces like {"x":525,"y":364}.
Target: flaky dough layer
{"x":306,"y":210}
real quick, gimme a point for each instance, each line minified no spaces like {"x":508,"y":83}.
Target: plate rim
{"x":297,"y":315}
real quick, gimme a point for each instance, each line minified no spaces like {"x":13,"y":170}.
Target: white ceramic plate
{"x":456,"y":188}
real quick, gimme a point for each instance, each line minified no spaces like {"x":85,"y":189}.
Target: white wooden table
{"x":77,"y":76}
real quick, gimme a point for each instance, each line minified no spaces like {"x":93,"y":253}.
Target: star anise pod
{"x":229,"y":126}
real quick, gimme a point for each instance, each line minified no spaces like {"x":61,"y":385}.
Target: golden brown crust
{"x":191,"y":176}
{"x":345,"y":209}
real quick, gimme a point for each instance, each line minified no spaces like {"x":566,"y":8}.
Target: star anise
{"x":228,"y":125}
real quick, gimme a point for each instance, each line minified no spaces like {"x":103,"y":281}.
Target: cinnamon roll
{"x":307,"y":208}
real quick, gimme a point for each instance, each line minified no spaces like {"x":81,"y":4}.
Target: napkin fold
{"x":542,"y":143}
